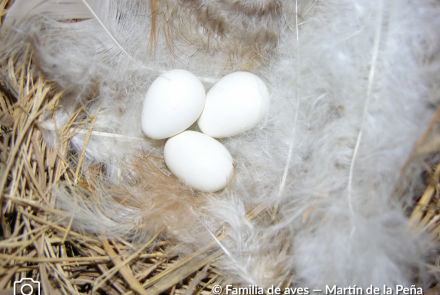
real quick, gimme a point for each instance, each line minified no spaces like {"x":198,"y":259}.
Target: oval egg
{"x":173,"y":102}
{"x":235,"y":104}
{"x":199,"y":160}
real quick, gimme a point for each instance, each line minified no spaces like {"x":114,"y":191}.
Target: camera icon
{"x":26,"y":286}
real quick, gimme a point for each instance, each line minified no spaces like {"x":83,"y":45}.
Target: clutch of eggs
{"x":176,"y":99}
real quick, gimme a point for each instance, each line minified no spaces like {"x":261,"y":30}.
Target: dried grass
{"x":36,"y":242}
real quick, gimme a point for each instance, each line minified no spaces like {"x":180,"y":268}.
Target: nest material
{"x":36,"y":242}
{"x":34,"y":245}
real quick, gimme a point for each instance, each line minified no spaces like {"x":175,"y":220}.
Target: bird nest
{"x":37,"y":238}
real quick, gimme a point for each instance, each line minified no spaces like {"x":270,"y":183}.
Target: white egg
{"x":173,"y":102}
{"x":199,"y":160}
{"x":234,"y":105}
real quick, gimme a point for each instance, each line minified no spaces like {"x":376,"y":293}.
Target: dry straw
{"x":37,"y":242}
{"x":34,"y":244}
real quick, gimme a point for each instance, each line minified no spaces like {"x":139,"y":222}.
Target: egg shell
{"x":173,"y":102}
{"x":199,"y":160}
{"x":235,"y":104}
